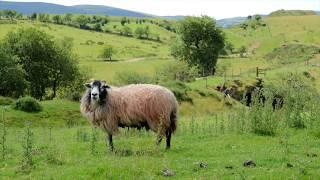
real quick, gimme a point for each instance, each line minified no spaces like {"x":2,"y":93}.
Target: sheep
{"x":138,"y":105}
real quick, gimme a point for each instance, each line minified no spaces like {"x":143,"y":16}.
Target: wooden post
{"x":257,"y":72}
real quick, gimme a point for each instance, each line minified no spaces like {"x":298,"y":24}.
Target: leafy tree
{"x":139,"y":32}
{"x":57,"y":19}
{"x":107,"y":52}
{"x":97,"y":27}
{"x":147,"y":31}
{"x":126,"y":30}
{"x":257,"y":17}
{"x":199,"y":43}
{"x":33,"y":17}
{"x":65,"y":67}
{"x":44,"y":61}
{"x":242,"y":51}
{"x":67,"y":18}
{"x":19,"y":16}
{"x":244,"y":26}
{"x":12,"y":77}
{"x":10,"y":13}
{"x":82,"y":20}
{"x":105,"y":20}
{"x":249,"y":17}
{"x":123,"y":21}
{"x":229,"y":47}
{"x":43,"y":17}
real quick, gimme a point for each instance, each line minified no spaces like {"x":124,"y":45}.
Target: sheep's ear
{"x":87,"y":85}
{"x":105,"y":86}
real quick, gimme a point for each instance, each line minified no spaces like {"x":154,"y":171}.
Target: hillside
{"x":39,"y":7}
{"x":283,"y":12}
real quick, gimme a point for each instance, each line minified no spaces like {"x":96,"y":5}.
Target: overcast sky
{"x":216,"y":8}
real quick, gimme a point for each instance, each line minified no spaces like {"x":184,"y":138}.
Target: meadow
{"x":214,"y":136}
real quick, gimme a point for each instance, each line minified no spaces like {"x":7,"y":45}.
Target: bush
{"x":4,"y":101}
{"x":27,"y":104}
{"x":129,"y":77}
{"x":179,"y":89}
{"x":178,"y":71}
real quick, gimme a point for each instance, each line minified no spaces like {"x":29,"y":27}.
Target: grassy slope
{"x":287,"y":29}
{"x":138,"y":157}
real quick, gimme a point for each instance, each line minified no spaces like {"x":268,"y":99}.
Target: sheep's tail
{"x":173,"y":121}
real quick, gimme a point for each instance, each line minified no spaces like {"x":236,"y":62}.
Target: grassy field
{"x":73,"y":153}
{"x":66,"y":147}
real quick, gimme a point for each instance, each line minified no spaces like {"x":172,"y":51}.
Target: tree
{"x":147,"y":31}
{"x":12,"y":77}
{"x":44,"y":61}
{"x":242,"y":51}
{"x":126,"y":30}
{"x":57,"y":19}
{"x":33,"y":16}
{"x":257,"y":17}
{"x":244,"y":26}
{"x":139,"y":32}
{"x":67,"y":18}
{"x":82,"y":20}
{"x":229,"y":47}
{"x":199,"y":43}
{"x":43,"y":17}
{"x":10,"y":13}
{"x":123,"y":21}
{"x":97,"y":27}
{"x":107,"y":52}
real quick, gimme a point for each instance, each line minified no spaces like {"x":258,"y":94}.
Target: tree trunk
{"x":54,"y":89}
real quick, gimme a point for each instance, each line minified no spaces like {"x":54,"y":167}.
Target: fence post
{"x":257,"y":72}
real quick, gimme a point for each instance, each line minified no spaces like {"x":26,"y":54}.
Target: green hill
{"x":283,"y":12}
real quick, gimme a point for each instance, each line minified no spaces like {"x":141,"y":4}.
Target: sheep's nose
{"x":94,"y":94}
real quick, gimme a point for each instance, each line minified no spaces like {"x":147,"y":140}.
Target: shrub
{"x":129,"y":77}
{"x":27,"y":104}
{"x":5,"y":101}
{"x":178,"y":71}
{"x":179,"y":89}
{"x":291,"y":53}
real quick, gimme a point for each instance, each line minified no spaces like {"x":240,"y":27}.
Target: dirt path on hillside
{"x":133,"y":60}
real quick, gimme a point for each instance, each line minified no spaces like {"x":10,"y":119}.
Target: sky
{"x":216,"y":8}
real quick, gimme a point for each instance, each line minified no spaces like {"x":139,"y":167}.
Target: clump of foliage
{"x":179,"y":89}
{"x":107,"y":52}
{"x":12,"y":76}
{"x":130,"y":77}
{"x":199,"y":43}
{"x":4,"y":101}
{"x":291,"y":53}
{"x":27,"y":104}
{"x":41,"y":61}
{"x":179,"y":70}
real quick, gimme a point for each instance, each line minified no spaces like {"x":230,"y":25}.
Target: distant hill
{"x":283,"y":12}
{"x":39,"y":7}
{"x":228,"y":22}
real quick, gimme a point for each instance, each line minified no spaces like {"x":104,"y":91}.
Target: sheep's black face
{"x":98,"y":91}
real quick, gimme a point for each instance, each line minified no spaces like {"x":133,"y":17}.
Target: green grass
{"x":67,"y":155}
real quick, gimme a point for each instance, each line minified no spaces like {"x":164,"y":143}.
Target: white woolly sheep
{"x":140,"y":105}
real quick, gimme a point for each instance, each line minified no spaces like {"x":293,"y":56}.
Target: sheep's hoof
{"x":167,"y":147}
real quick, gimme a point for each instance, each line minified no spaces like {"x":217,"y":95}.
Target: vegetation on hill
{"x":292,"y":53}
{"x":283,"y":12}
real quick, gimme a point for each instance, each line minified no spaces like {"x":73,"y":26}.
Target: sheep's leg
{"x":109,"y":141}
{"x":159,"y":139}
{"x":168,"y":136}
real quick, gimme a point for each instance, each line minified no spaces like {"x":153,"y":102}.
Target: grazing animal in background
{"x":139,"y":105}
